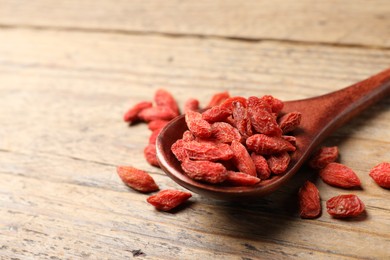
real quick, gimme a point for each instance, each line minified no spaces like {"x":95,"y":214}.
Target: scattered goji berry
{"x":157,"y":124}
{"x":263,"y":144}
{"x":207,"y":171}
{"x":137,"y":179}
{"x":157,"y":113}
{"x":153,"y":136}
{"x":262,"y":168}
{"x":278,"y":163}
{"x":218,"y":98}
{"x":241,"y":179}
{"x":324,"y":156}
{"x":166,"y":200}
{"x":150,"y":155}
{"x":197,"y":125}
{"x":339,"y":175}
{"x":290,"y":121}
{"x":309,"y":201}
{"x":191,"y":104}
{"x":381,"y":174}
{"x":208,"y":151}
{"x":242,"y":160}
{"x":165,"y":99}
{"x":132,"y":115}
{"x":343,"y":206}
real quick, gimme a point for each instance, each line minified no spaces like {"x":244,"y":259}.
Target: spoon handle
{"x":324,"y":114}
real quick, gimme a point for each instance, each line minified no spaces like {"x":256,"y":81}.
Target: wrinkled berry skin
{"x":344,"y":206}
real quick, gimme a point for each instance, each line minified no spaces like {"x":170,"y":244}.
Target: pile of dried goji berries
{"x":239,"y":141}
{"x":341,"y":176}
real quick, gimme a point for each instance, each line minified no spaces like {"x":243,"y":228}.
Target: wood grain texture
{"x":333,"y":22}
{"x":63,"y":94}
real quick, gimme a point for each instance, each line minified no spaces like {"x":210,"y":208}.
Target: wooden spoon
{"x":320,"y":117}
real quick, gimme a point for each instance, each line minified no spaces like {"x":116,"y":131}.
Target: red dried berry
{"x":323,"y":157}
{"x":344,"y":206}
{"x":206,"y":171}
{"x":290,"y":121}
{"x":241,"y":119}
{"x":157,"y":113}
{"x":178,"y":150}
{"x":154,"y":135}
{"x":216,"y":114}
{"x":188,"y":136}
{"x":263,"y":144}
{"x":291,"y":139}
{"x":309,"y":201}
{"x":165,"y":99}
{"x":191,"y":104}
{"x":137,"y":179}
{"x":242,"y":160}
{"x":262,"y":168}
{"x":241,"y":179}
{"x":275,"y":104}
{"x":197,"y":125}
{"x":228,"y":103}
{"x":150,"y":155}
{"x":166,"y":200}
{"x":224,"y":133}
{"x":157,"y":124}
{"x":381,"y":174}
{"x":278,"y":163}
{"x":339,"y":175}
{"x":208,"y":151}
{"x":132,"y":114}
{"x":218,"y":98}
{"x":262,"y":119}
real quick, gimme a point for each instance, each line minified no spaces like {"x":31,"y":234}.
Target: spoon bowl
{"x":321,"y":116}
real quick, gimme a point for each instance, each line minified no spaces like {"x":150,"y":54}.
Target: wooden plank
{"x":106,"y":216}
{"x":333,"y":22}
{"x":62,"y":104}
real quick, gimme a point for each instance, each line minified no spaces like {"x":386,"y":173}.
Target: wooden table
{"x":70,"y":69}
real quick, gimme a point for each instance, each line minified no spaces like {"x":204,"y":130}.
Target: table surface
{"x":70,"y":69}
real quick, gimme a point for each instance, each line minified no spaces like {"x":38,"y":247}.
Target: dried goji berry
{"x":136,"y":179}
{"x":206,"y":171}
{"x":344,"y":206}
{"x":290,"y":121}
{"x":275,"y":104}
{"x":166,"y":200}
{"x":157,"y":113}
{"x":309,"y":201}
{"x":153,"y":136}
{"x":178,"y":150}
{"x":208,"y":151}
{"x":150,"y":155}
{"x":242,"y":160}
{"x":241,"y":179}
{"x":165,"y":99}
{"x":241,"y":119}
{"x":191,"y":104}
{"x":263,"y":144}
{"x":197,"y":125}
{"x":218,"y":98}
{"x":262,"y":119}
{"x":132,"y":114}
{"x":278,"y":163}
{"x":157,"y":124}
{"x":224,"y":133}
{"x":381,"y":174}
{"x":339,"y":175}
{"x":216,"y":114}
{"x":262,"y":168}
{"x":188,"y":136}
{"x":291,"y":139}
{"x":229,"y":103}
{"x":324,"y":156}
